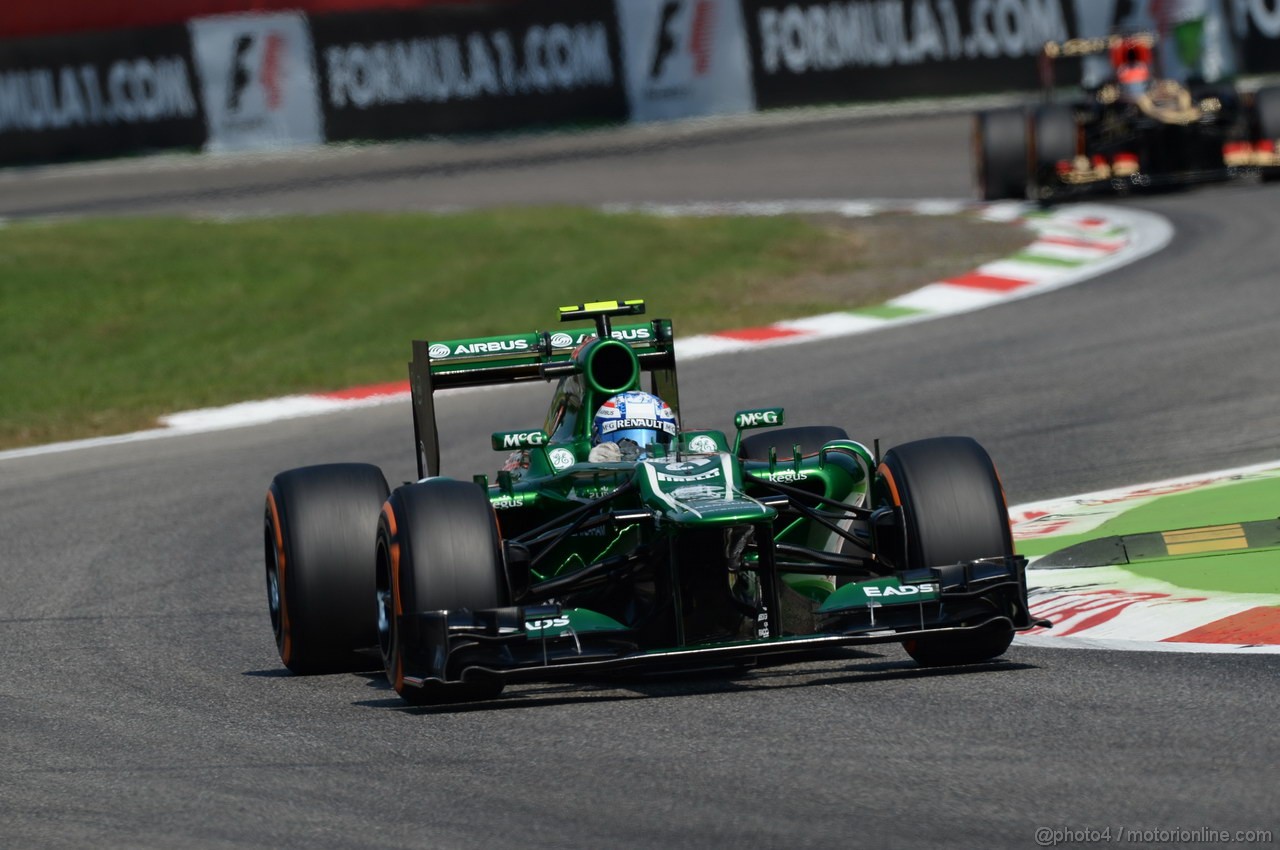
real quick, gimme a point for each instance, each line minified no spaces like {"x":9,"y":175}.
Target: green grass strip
{"x":106,"y":324}
{"x":1230,"y":572}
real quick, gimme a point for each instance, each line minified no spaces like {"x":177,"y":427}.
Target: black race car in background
{"x":1134,"y":130}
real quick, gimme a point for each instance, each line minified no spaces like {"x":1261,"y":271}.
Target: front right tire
{"x":318,"y":533}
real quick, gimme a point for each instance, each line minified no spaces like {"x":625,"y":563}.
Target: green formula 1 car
{"x":591,"y":553}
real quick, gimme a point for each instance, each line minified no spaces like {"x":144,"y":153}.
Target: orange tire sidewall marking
{"x":391,"y":518}
{"x":883,"y":471}
{"x":393,"y":552}
{"x":1004,"y":500}
{"x":286,"y":648}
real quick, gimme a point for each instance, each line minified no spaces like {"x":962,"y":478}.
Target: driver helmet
{"x":1132,"y":61}
{"x":635,"y":416}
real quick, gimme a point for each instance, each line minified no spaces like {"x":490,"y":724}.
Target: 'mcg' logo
{"x":519,"y":439}
{"x":758,"y":418}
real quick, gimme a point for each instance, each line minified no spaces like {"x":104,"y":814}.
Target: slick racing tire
{"x":437,"y":549}
{"x":811,"y":439}
{"x":1000,"y":154}
{"x":954,"y":509}
{"x":319,"y":529}
{"x":1053,"y":140}
{"x":1266,"y":110}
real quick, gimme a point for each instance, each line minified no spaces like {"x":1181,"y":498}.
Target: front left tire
{"x":954,"y":510}
{"x":438,"y":549}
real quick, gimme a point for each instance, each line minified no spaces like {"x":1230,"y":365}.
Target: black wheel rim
{"x":273,"y":581}
{"x":385,"y":601}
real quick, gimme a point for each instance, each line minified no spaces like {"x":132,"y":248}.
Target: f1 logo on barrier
{"x":257,"y":80}
{"x":668,"y":36}
{"x":665,"y":44}
{"x":690,"y":58}
{"x":243,"y":73}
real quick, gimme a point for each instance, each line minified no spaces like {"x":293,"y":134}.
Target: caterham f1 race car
{"x":620,"y":542}
{"x":1134,"y":130}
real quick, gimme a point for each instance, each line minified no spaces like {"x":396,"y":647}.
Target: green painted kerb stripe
{"x":1046,"y":261}
{"x":886,"y":311}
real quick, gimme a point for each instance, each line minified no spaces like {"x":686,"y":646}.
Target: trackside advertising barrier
{"x":1256,"y":26}
{"x":28,"y":18}
{"x":685,"y":58}
{"x":288,"y":78}
{"x":98,"y":95}
{"x":397,"y":74}
{"x":809,"y":51}
{"x":812,"y":51}
{"x":257,"y":81}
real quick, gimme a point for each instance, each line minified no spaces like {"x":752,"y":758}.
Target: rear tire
{"x":810,"y":437}
{"x":955,"y":510}
{"x":319,"y":528}
{"x":1000,"y":154}
{"x":1053,"y":139}
{"x":1266,"y":110}
{"x":437,"y":549}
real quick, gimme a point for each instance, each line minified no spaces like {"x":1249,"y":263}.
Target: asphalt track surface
{"x":143,"y":704}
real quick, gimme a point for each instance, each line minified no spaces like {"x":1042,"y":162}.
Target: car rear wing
{"x":536,"y":356}
{"x":1056,"y":52}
